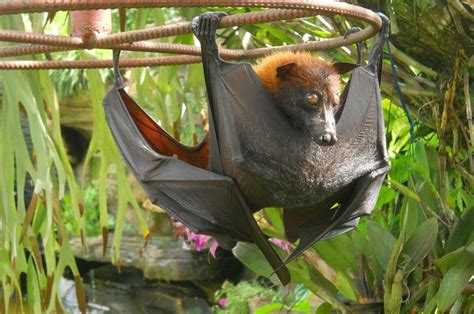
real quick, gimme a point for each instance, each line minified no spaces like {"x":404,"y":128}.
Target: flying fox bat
{"x":323,"y":163}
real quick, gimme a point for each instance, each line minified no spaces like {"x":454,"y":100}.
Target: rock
{"x":163,"y":258}
{"x":108,"y":291}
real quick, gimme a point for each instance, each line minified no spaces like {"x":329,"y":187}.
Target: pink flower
{"x":222,"y":302}
{"x":281,"y":243}
{"x":213,"y":248}
{"x":199,"y":240}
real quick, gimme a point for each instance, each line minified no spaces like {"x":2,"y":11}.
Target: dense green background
{"x":415,"y":252}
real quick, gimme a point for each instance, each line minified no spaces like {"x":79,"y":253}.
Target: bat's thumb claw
{"x":194,"y":25}
{"x":214,"y":16}
{"x":221,"y":14}
{"x":206,"y":23}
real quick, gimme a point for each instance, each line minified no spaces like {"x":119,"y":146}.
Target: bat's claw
{"x":352,"y":30}
{"x":205,"y":26}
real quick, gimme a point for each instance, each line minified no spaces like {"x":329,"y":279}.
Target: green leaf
{"x":425,"y":189}
{"x":274,"y":217}
{"x":393,"y":297}
{"x":399,"y":171}
{"x":405,"y":190}
{"x":39,"y":218}
{"x":430,"y":304}
{"x":302,"y":306}
{"x":420,"y":243}
{"x":304,"y":272}
{"x":312,"y":277}
{"x":339,"y":252}
{"x":461,"y":232}
{"x":386,"y":196}
{"x":454,"y":281}
{"x":324,"y":308}
{"x":8,"y":274}
{"x":66,"y":259}
{"x":421,"y":158}
{"x":251,"y":257}
{"x":415,"y":298}
{"x":458,"y":305}
{"x":360,"y":242}
{"x":381,"y":241}
{"x":411,"y":215}
{"x":347,"y":286}
{"x":445,"y":262}
{"x":270,"y":308}
{"x":34,"y":295}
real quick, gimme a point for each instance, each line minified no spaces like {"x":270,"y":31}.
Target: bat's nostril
{"x":328,"y":138}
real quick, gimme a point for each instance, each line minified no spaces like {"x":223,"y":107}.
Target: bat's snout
{"x":323,"y":127}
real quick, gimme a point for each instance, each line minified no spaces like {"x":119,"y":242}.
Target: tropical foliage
{"x":415,"y":253}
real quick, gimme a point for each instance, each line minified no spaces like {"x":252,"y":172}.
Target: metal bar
{"x":134,"y":40}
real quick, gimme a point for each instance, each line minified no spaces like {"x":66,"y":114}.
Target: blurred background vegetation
{"x":62,"y":177}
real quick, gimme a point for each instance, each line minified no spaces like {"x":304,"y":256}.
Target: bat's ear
{"x":285,"y":70}
{"x":344,"y":67}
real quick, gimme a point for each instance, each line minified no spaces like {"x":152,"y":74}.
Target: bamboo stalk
{"x":462,"y":127}
{"x":448,"y":103}
{"x":461,"y":9}
{"x":467,"y":99}
{"x":409,"y":91}
{"x":455,"y":141}
{"x":404,"y":58}
{"x":469,"y":177}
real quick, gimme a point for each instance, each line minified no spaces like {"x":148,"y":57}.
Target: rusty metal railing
{"x":35,"y":43}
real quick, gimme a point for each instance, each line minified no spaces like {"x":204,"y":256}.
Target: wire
{"x":396,"y":84}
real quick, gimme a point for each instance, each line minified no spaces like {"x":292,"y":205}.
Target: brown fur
{"x":309,"y":71}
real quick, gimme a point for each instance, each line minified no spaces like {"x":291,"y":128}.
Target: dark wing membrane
{"x":161,"y":141}
{"x":361,"y":202}
{"x":206,"y":202}
{"x":361,"y":97}
{"x":203,"y":200}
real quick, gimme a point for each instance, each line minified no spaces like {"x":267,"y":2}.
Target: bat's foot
{"x":205,"y":26}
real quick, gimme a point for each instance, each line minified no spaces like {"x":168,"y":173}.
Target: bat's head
{"x":306,"y":89}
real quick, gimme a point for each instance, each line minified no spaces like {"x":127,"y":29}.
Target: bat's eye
{"x":336,"y":99}
{"x":312,"y":99}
